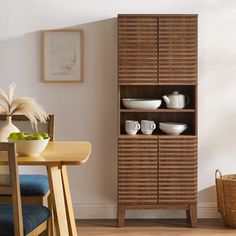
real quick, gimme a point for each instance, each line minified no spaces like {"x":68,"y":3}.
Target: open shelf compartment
{"x":157,"y":92}
{"x":187,"y":118}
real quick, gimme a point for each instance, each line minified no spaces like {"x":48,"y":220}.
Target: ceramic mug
{"x":132,"y":127}
{"x":147,"y":126}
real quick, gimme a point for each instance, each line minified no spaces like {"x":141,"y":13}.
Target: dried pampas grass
{"x":22,"y":105}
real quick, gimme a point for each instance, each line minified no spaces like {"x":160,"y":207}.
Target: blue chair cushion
{"x":33,"y":216}
{"x":33,"y":185}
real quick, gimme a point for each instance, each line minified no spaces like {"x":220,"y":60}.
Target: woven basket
{"x":226,"y":197}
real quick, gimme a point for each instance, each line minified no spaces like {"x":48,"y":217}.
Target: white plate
{"x":133,"y":103}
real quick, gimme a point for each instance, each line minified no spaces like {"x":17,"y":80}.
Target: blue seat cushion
{"x":33,"y":216}
{"x":33,"y":185}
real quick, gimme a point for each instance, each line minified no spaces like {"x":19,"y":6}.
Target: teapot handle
{"x":137,"y":126}
{"x":188,"y":100}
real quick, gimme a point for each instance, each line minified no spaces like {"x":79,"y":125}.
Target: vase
{"x":6,"y":129}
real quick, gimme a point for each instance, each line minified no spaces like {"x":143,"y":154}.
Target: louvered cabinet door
{"x":177,"y":169}
{"x":137,"y":50}
{"x":137,"y":170}
{"x":177,"y":50}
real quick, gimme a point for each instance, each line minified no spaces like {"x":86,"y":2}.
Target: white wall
{"x":87,"y":111}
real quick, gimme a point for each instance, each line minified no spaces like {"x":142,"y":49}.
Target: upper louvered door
{"x":177,"y":169}
{"x":137,"y":50}
{"x":137,"y":170}
{"x":177,"y":50}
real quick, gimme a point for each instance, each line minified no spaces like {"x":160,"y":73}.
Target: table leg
{"x":51,"y":220}
{"x":56,"y":190}
{"x":68,"y":202}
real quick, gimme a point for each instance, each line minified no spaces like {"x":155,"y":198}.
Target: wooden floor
{"x":207,"y":227}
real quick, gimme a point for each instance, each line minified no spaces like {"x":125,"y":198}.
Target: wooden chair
{"x":17,"y":219}
{"x":34,"y":188}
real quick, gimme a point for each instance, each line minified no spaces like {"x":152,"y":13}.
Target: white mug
{"x":147,"y":126}
{"x":132,"y":127}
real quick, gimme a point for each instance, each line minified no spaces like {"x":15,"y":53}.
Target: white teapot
{"x":176,"y":100}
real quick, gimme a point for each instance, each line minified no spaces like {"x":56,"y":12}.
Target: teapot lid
{"x":175,"y":92}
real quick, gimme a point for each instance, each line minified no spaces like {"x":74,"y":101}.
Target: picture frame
{"x":62,"y":56}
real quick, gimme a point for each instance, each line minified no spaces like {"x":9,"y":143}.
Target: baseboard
{"x":109,"y":211}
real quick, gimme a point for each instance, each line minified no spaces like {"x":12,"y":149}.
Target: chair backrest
{"x":23,"y":124}
{"x":12,"y":187}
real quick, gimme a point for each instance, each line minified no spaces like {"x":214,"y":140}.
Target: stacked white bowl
{"x":173,"y":128}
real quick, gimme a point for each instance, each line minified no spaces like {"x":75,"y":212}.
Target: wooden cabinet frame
{"x":157,"y":54}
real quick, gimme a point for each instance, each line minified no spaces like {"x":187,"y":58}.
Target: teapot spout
{"x":166,"y":99}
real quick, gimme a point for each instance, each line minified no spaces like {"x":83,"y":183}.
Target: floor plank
{"x":173,"y":227}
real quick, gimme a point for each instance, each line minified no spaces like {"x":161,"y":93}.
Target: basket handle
{"x":218,"y":173}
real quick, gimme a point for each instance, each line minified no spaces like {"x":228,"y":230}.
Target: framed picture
{"x":62,"y":56}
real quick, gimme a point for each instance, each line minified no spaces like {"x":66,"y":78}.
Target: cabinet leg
{"x":192,"y":215}
{"x":121,"y":216}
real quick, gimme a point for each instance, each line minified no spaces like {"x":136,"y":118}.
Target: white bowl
{"x":133,"y":103}
{"x":30,"y":147}
{"x":173,"y":128}
{"x":171,"y":124}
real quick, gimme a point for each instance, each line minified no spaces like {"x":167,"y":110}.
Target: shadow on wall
{"x":96,"y":110}
{"x":83,"y":111}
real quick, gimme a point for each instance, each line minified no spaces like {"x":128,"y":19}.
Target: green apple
{"x":20,"y":136}
{"x":44,"y":135}
{"x":29,"y":137}
{"x":13,"y":136}
{"x":37,"y":137}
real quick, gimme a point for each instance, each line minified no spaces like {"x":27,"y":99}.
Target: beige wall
{"x":87,"y":111}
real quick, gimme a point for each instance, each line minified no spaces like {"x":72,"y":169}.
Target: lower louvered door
{"x":137,"y":170}
{"x":177,"y":169}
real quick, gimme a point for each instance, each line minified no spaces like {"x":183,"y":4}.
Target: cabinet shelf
{"x":156,"y":135}
{"x":157,"y":110}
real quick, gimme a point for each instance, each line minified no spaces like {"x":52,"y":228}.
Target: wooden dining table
{"x":56,"y":157}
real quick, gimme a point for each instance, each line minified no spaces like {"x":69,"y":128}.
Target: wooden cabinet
{"x":157,"y":54}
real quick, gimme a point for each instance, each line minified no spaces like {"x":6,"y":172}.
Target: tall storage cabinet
{"x":157,"y":54}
